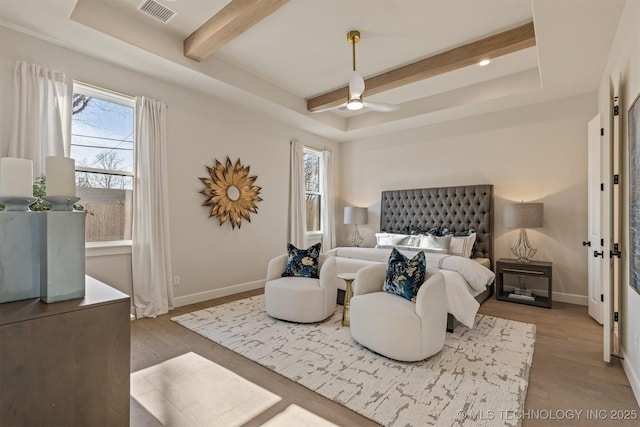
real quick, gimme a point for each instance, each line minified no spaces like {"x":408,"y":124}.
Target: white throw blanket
{"x":464,"y":277}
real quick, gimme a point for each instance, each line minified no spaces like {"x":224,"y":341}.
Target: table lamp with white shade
{"x":523,"y":216}
{"x":354,"y":216}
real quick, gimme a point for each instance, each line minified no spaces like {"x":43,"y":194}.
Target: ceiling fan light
{"x":354,"y":104}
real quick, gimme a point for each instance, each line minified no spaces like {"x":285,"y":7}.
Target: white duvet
{"x":464,"y":277}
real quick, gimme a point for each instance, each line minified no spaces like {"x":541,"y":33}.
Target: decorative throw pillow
{"x":388,"y":240}
{"x":462,"y":246}
{"x":405,"y":276}
{"x":414,"y":230}
{"x":440,"y":243}
{"x":435,"y":231}
{"x":302,"y":262}
{"x":410,"y":241}
{"x":446,"y":232}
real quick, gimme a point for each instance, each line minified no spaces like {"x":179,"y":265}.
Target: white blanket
{"x":464,"y":278}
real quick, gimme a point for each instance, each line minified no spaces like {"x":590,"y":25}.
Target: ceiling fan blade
{"x":335,"y":107}
{"x":356,"y":84}
{"x":380,"y":107}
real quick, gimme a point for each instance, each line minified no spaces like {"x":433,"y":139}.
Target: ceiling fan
{"x":356,"y":87}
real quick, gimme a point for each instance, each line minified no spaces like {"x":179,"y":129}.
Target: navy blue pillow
{"x":414,"y":230}
{"x":465,"y":233}
{"x":405,"y":276}
{"x":302,"y":262}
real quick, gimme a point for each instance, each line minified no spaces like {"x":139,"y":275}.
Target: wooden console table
{"x":66,"y":363}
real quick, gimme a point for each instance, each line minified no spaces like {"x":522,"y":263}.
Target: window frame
{"x":321,"y":193}
{"x":107,"y":247}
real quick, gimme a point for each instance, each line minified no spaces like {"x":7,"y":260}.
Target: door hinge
{"x":601,"y":297}
{"x":615,"y":316}
{"x":602,"y":186}
{"x":601,"y":131}
{"x":616,"y":251}
{"x":616,"y":179}
{"x":616,"y":110}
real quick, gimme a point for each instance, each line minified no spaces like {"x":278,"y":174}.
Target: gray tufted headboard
{"x":456,"y":208}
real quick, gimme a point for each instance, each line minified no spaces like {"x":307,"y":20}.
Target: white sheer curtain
{"x":41,"y":115}
{"x":328,"y":217}
{"x":151,"y":249}
{"x":297,"y":210}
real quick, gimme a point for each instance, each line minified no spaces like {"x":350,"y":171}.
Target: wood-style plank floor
{"x":567,"y":374}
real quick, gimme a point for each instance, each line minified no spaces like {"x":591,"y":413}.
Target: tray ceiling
{"x":300,"y":50}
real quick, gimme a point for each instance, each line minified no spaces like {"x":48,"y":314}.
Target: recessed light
{"x":484,"y":62}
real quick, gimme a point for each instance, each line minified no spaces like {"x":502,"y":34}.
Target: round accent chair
{"x":392,"y":325}
{"x":301,"y":299}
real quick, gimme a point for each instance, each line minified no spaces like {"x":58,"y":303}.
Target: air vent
{"x":157,"y":11}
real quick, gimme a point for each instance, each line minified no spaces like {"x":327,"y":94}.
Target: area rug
{"x":480,"y":377}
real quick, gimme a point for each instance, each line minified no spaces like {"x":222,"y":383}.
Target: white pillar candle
{"x":16,"y":177}
{"x":60,"y":175}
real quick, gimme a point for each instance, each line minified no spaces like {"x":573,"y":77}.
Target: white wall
{"x":534,"y":153}
{"x":211,"y":260}
{"x":624,"y":61}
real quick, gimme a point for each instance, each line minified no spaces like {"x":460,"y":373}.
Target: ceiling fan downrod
{"x":353,"y":37}
{"x":354,"y":100}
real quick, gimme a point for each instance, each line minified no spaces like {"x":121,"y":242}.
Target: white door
{"x":593,"y":244}
{"x":611,"y":125}
{"x":616,"y":220}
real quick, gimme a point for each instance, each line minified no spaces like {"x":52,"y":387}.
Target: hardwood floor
{"x":567,"y":374}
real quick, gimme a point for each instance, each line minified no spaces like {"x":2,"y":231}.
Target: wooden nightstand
{"x":528,"y":283}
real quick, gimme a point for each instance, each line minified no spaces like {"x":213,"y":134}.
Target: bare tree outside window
{"x":80,"y":102}
{"x":109,"y":160}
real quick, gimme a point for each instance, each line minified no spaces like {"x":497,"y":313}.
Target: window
{"x":313,"y":189}
{"x":102,"y":144}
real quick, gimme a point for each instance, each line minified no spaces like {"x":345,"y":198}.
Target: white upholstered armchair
{"x":301,"y":299}
{"x":394,"y":326}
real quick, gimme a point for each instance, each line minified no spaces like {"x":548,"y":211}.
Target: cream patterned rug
{"x":479,"y":379}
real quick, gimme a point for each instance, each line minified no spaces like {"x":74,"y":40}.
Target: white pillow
{"x":462,"y":245}
{"x":414,"y":249}
{"x":388,"y":240}
{"x":441,"y":244}
{"x":411,"y":241}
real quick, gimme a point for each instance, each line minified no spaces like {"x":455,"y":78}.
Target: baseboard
{"x":632,"y":376}
{"x":570,"y":298}
{"x":217,"y":293}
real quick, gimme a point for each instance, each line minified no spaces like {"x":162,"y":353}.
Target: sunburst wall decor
{"x":230,"y":192}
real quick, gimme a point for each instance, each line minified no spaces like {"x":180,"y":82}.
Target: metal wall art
{"x":230,"y":192}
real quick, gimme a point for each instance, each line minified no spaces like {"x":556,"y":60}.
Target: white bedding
{"x":464,"y":278}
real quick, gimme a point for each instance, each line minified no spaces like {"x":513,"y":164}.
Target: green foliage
{"x":39,"y":191}
{"x":40,"y":186}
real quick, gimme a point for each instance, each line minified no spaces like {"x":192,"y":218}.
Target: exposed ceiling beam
{"x":231,"y":21}
{"x":490,"y":47}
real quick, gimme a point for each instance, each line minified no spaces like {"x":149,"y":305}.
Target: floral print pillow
{"x":302,"y":262}
{"x":405,"y":276}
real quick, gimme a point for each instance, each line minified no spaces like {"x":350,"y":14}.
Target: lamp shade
{"x":355,"y":215}
{"x":523,"y":215}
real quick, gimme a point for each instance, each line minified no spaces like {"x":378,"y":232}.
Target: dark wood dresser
{"x":66,"y":363}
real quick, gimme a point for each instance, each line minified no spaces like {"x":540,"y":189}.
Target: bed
{"x":458,"y":209}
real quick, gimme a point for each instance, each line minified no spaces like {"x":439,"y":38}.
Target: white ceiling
{"x":301,"y":50}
